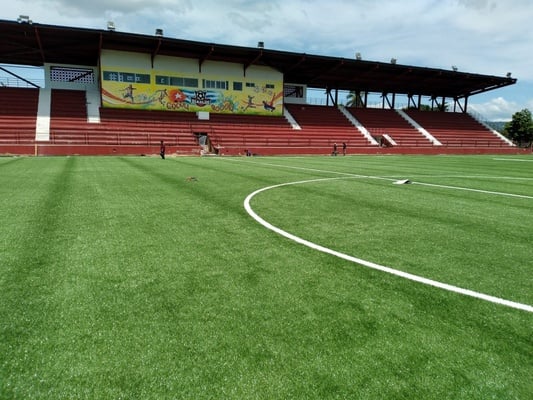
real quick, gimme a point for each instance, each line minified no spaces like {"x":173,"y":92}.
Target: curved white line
{"x":369,"y":264}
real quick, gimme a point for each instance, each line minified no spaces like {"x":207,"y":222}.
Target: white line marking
{"x":512,"y":159}
{"x":522,"y":196}
{"x":370,"y":264}
{"x":505,"y":178}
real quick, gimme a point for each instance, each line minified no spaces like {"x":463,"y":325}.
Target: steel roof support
{"x":385,"y":97}
{"x":204,"y":58}
{"x":41,"y":50}
{"x":155,"y":52}
{"x":20,"y":77}
{"x":247,"y":65}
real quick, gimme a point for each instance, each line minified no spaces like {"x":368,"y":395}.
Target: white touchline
{"x":512,"y":159}
{"x":370,"y":264}
{"x":522,"y":196}
{"x":347,"y":174}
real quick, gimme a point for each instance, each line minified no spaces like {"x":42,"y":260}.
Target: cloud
{"x":497,"y":109}
{"x":529,"y":105}
{"x":480,"y":36}
{"x":485,"y":36}
{"x":96,"y":8}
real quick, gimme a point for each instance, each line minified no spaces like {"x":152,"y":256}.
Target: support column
{"x":42,"y":128}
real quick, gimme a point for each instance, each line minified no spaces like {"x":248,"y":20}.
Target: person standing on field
{"x":162,"y":150}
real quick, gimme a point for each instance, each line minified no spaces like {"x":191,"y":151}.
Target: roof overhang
{"x":37,"y":44}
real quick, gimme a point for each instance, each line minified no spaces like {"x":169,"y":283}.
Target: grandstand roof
{"x":36,"y":44}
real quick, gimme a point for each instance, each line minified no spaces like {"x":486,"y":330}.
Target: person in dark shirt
{"x":162,"y":150}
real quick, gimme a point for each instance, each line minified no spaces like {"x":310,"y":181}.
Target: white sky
{"x":480,"y":36}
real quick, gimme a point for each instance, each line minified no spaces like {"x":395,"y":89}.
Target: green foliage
{"x":520,"y":128}
{"x":121,"y":278}
{"x":497,"y":125}
{"x":354,"y":99}
{"x":429,"y":107}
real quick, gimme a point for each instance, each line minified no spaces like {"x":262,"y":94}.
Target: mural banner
{"x":157,"y":90}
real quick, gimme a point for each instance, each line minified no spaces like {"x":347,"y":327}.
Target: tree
{"x":520,"y":128}
{"x":429,"y":107}
{"x":354,"y":99}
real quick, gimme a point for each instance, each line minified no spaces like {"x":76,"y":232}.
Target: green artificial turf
{"x":122,"y":278}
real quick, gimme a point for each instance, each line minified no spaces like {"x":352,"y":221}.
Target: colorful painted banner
{"x":156,"y":90}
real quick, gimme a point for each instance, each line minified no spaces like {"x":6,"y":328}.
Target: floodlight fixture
{"x":261,"y":45}
{"x":110,"y":26}
{"x":508,"y":75}
{"x":393,"y":61}
{"x":24,"y":19}
{"x":358,"y":56}
{"x":159,"y":32}
{"x":454,"y":68}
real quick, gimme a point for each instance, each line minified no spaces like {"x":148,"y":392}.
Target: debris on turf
{"x":402,"y":182}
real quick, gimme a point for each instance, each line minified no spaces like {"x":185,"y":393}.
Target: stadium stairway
{"x":323,"y":126}
{"x":385,"y":122}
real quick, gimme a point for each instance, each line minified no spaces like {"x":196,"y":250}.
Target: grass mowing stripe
{"x":30,"y":309}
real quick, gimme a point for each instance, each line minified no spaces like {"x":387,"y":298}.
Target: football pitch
{"x":358,"y":277}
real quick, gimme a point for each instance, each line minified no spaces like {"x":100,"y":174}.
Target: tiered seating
{"x":322,"y":126}
{"x":118,"y":127}
{"x":237,"y":133}
{"x":18,"y":115}
{"x":68,"y":116}
{"x":140,"y":127}
{"x":456,"y":129}
{"x":383,"y":121}
{"x":126,"y":131}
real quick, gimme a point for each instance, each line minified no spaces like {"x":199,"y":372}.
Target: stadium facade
{"x":207,"y":87}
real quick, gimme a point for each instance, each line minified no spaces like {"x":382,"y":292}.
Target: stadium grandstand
{"x":107,"y":92}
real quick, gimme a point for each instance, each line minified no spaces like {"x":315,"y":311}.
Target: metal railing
{"x":6,"y":81}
